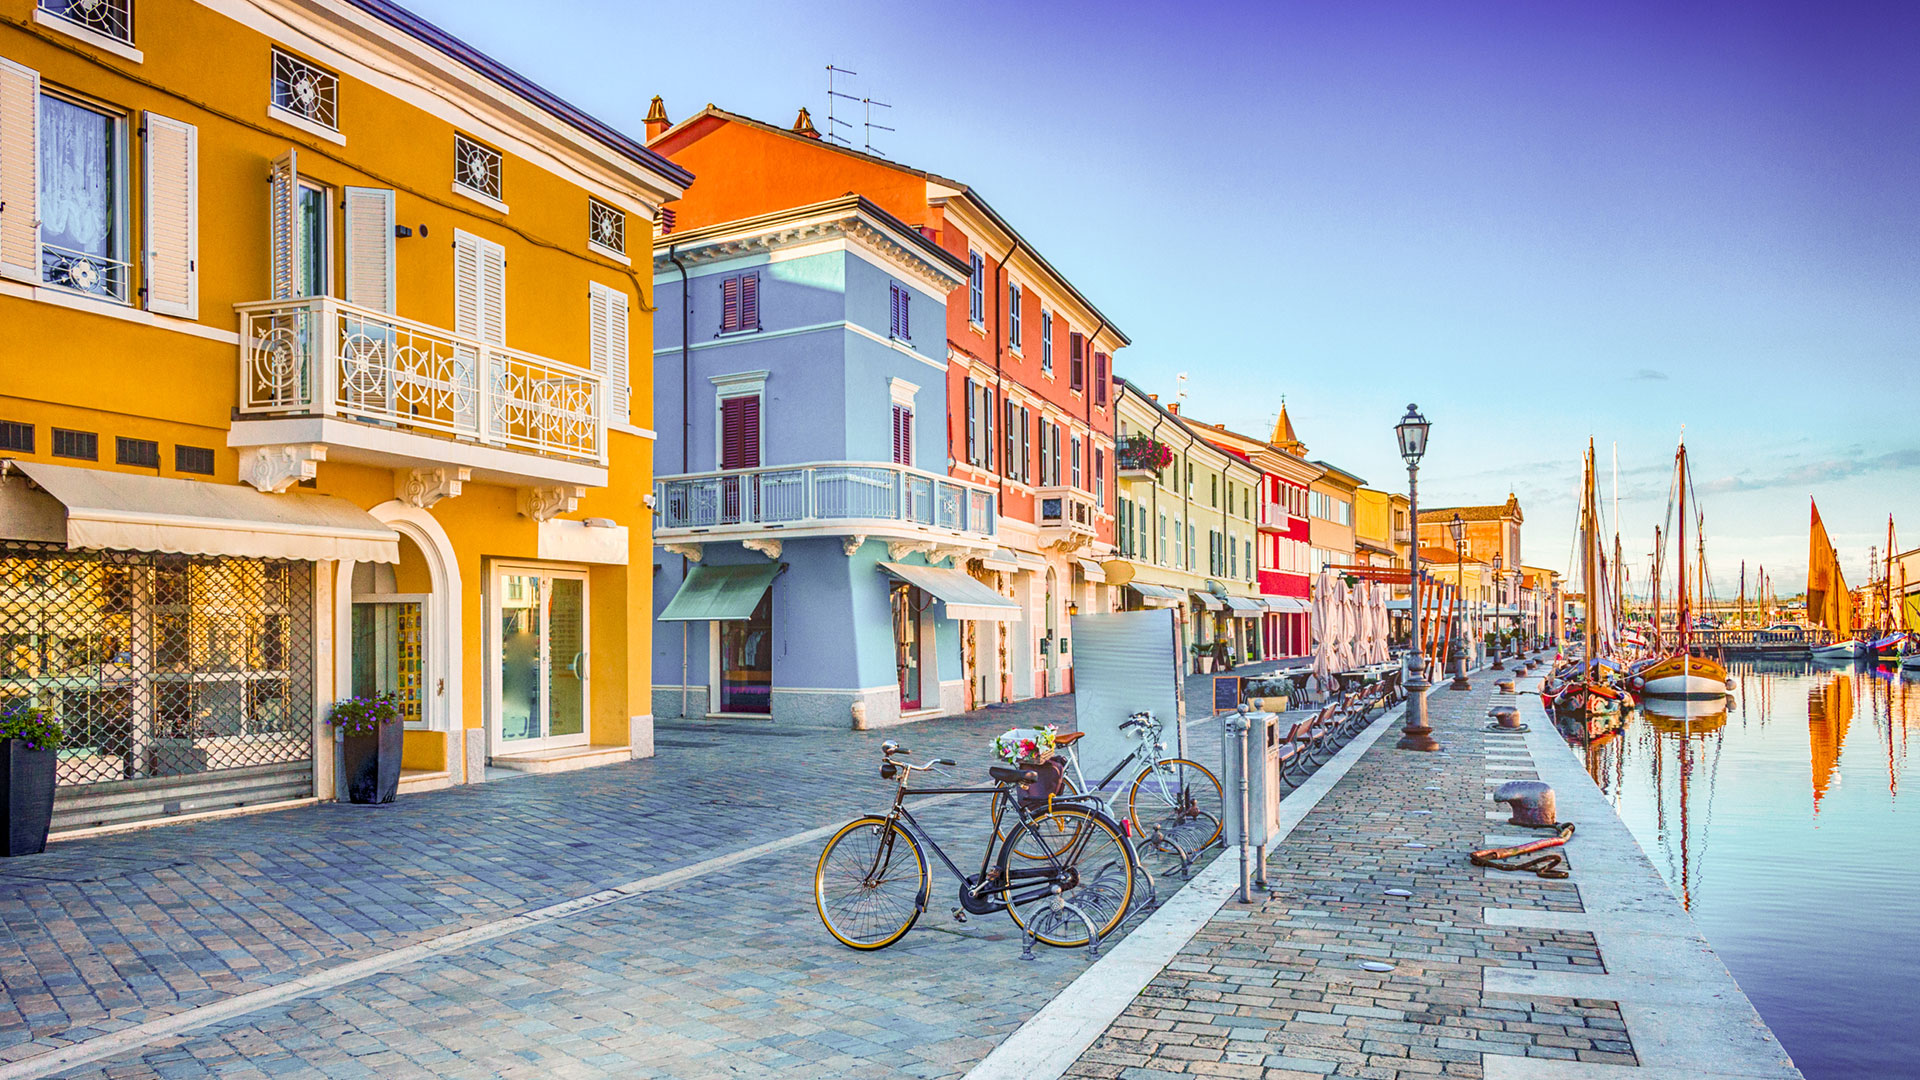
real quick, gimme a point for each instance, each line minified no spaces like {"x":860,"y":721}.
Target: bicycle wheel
{"x":999,"y":808}
{"x":870,"y":884}
{"x":1180,"y":797}
{"x":1086,"y":867}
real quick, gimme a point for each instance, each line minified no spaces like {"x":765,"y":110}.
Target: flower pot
{"x":1203,"y":664}
{"x":371,"y":764}
{"x":26,"y":797}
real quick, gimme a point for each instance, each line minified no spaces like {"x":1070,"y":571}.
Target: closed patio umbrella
{"x":1322,"y":632}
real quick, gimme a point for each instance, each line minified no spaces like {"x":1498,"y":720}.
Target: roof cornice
{"x":850,"y":217}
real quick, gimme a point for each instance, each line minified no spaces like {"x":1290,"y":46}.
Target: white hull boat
{"x":1844,"y":650}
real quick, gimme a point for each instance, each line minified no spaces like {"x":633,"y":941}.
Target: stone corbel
{"x":546,"y":503}
{"x":852,"y":543}
{"x":424,"y":487}
{"x":940,"y":553}
{"x":900,"y":549}
{"x":768,"y":547}
{"x":274,"y":469}
{"x":691,"y":552}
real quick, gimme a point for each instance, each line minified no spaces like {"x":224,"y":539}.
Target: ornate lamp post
{"x":1499,"y":606}
{"x":1416,"y":735}
{"x":1458,"y":528}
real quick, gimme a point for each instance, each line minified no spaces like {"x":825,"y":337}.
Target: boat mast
{"x":1659,"y":553}
{"x":1886,"y":581}
{"x":1592,"y":569}
{"x":1686,"y":606}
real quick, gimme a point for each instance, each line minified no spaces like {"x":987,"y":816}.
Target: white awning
{"x":1092,"y":570}
{"x":1000,"y":559}
{"x":1288,"y":605}
{"x":1030,"y":562}
{"x":95,"y":508}
{"x":963,"y":597}
{"x":1209,"y":601}
{"x":1244,"y":608}
{"x":1154,"y":595}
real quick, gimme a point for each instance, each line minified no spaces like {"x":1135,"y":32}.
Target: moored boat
{"x":1683,"y":674}
{"x":1841,"y":652}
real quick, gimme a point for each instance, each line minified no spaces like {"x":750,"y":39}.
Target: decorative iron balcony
{"x":823,"y":498}
{"x":317,"y":356}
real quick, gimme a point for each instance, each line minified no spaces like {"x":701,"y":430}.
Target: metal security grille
{"x":161,"y":668}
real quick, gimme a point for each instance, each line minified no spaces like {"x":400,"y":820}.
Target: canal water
{"x":1789,"y":824}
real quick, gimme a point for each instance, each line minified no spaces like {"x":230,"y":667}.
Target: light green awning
{"x":963,"y":597}
{"x":720,"y":593}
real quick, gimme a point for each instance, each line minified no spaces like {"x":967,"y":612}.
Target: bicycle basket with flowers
{"x":1025,"y":745}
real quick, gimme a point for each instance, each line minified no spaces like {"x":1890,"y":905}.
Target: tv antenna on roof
{"x":834,"y":123}
{"x":869,"y":103}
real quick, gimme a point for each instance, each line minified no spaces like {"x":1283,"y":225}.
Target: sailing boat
{"x":1828,"y":602}
{"x":1684,"y":675}
{"x":1891,"y":643}
{"x":1585,"y":691}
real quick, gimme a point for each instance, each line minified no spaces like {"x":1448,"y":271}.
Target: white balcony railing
{"x":1273,"y":515}
{"x":317,"y":356}
{"x":1065,"y":508}
{"x":837,"y":494}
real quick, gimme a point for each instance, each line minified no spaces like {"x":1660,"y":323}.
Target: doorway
{"x":542,"y":694}
{"x":745,"y":660}
{"x":908,"y":601}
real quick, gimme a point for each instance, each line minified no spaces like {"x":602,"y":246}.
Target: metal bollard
{"x":1233,"y":747}
{"x":1531,"y":800}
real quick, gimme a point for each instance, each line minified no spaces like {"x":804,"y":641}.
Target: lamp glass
{"x":1412,"y":430}
{"x":1459,"y":529}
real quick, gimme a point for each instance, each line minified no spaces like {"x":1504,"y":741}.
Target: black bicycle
{"x":1064,"y":872}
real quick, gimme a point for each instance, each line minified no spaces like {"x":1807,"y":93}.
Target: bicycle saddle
{"x":1007,"y":774}
{"x":1067,"y":738}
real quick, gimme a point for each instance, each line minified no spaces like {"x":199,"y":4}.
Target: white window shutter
{"x":370,"y":279}
{"x":493,"y":293}
{"x":608,"y":347}
{"x":19,"y":172}
{"x":284,"y":259}
{"x":173,"y":217}
{"x":466,"y":286}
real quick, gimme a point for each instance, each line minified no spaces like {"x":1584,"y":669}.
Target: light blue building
{"x":807,"y":538}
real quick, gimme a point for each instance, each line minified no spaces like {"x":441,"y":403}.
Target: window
{"x":740,"y":303}
{"x":1026,"y":445}
{"x":112,"y":18}
{"x":16,"y":436}
{"x":1233,"y":557}
{"x":972,"y":422}
{"x":902,"y":435}
{"x":1100,"y":477}
{"x":1213,"y":491}
{"x":740,"y":432}
{"x":1192,"y":535}
{"x":977,"y":289}
{"x":1125,"y":526}
{"x":82,"y":199}
{"x":1013,"y":317}
{"x":476,"y":168}
{"x":1076,"y":362}
{"x":1046,"y":342}
{"x":80,"y":445}
{"x":1010,"y":464}
{"x":606,"y":226}
{"x":307,"y":92}
{"x":144,"y":453}
{"x":1160,"y":554}
{"x":1077,"y":480}
{"x":1102,"y":382}
{"x":313,"y":223}
{"x":1054,"y":465}
{"x":193,"y":459}
{"x":898,"y":323}
{"x":1179,"y":544}
{"x":608,"y":349}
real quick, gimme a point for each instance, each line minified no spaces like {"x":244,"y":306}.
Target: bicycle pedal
{"x":959,"y":915}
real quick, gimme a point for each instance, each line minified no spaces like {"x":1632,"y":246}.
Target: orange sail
{"x":1828,"y":602}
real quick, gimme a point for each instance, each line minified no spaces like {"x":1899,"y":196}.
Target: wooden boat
{"x":1829,"y":604}
{"x":1683,"y":674}
{"x":1590,"y":689}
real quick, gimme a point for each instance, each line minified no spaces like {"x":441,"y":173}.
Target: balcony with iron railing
{"x":451,"y":398}
{"x":1141,"y":455}
{"x":824,"y":498}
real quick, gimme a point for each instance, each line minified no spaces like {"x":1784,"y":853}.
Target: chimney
{"x":1174,"y":408}
{"x":803,"y":125}
{"x":657,"y":122}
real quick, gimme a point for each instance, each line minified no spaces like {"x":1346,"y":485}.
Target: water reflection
{"x":1755,"y":825}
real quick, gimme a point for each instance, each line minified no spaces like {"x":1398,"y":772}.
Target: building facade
{"x":1028,"y":377}
{"x":356,"y":308}
{"x":1187,"y":523}
{"x":812,"y":545}
{"x":1330,"y":510}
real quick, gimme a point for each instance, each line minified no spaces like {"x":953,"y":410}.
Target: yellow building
{"x":1187,"y":521}
{"x":320,"y":329}
{"x":1380,"y":531}
{"x":1330,"y":511}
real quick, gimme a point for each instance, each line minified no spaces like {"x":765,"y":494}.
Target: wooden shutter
{"x":987,"y":411}
{"x":906,"y":313}
{"x":1076,"y":348}
{"x":284,"y":257}
{"x":608,"y":347}
{"x":973,"y":423}
{"x":740,"y":432}
{"x":370,"y":278}
{"x":749,"y":301}
{"x":19,"y":172}
{"x":893,"y":313}
{"x":1009,"y":466}
{"x":902,"y":435}
{"x":730,"y":305}
{"x":173,"y":226}
{"x":479,"y":288}
{"x":1101,"y":380}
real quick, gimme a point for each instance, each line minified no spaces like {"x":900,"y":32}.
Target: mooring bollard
{"x":1531,"y":800}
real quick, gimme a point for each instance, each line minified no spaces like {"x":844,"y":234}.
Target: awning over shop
{"x":1092,"y":570}
{"x":94,"y":508}
{"x":1000,"y":559}
{"x":1154,"y":595}
{"x":720,"y":593}
{"x":1288,"y":605}
{"x":963,"y":597}
{"x":1244,"y":608}
{"x":1030,"y":562}
{"x":1209,"y":601}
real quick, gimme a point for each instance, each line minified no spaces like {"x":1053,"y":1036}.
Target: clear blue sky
{"x":1540,"y":221}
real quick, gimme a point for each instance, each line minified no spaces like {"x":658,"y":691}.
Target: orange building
{"x":1029,"y":374}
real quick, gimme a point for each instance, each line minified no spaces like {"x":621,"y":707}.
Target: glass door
{"x":746,"y":661}
{"x":541,"y":699}
{"x":387,"y":657}
{"x":907,"y":602}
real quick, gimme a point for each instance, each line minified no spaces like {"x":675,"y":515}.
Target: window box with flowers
{"x":371,"y":739}
{"x":1141,"y":456}
{"x":29,"y":761}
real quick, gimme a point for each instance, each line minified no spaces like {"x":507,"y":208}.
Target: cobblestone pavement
{"x":1276,"y":989}
{"x":728,"y":973}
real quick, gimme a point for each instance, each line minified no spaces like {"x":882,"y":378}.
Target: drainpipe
{"x":686,"y":366}
{"x":999,"y":383}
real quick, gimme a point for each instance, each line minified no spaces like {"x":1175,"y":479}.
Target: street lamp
{"x":1458,"y":528}
{"x":1499,"y":604}
{"x":1417,"y":734}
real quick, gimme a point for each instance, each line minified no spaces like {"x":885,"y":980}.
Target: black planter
{"x":372,"y":764}
{"x":26,"y":797}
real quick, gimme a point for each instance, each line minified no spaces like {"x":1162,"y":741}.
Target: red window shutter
{"x":740,"y":433}
{"x":730,"y":305}
{"x":1077,"y":360}
{"x":1100,"y":378}
{"x":749,"y":301}
{"x":902,"y":435}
